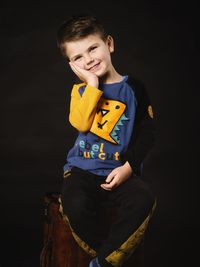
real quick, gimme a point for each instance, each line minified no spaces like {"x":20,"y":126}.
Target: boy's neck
{"x":111,"y":77}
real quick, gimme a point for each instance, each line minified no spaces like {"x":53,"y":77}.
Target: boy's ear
{"x":110,"y":43}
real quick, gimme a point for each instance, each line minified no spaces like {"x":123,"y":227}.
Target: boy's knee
{"x":74,"y":207}
{"x":148,"y":199}
{"x":144,"y":198}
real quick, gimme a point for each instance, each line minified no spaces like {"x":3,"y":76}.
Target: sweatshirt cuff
{"x":135,"y":164}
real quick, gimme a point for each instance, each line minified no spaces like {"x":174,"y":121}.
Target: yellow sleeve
{"x":83,"y":108}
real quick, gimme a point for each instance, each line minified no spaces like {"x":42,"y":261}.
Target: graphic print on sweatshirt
{"x":109,"y":119}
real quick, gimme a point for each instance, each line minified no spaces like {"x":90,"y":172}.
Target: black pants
{"x":81,"y":196}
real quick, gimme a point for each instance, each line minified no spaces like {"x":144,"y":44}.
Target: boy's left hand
{"x":117,"y":176}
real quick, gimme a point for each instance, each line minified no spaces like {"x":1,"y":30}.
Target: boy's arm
{"x":142,"y":140}
{"x":83,"y":107}
{"x":143,"y":136}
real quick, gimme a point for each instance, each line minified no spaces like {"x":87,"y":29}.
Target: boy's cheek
{"x":75,"y":65}
{"x":80,"y":65}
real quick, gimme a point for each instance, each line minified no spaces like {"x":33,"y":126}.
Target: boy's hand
{"x":117,"y":176}
{"x":85,"y":75}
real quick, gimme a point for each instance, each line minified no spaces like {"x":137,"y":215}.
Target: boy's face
{"x":91,"y":53}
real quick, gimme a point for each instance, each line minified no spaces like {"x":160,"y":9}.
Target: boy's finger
{"x":105,"y":188}
{"x":109,"y":186}
{"x":110,"y":177}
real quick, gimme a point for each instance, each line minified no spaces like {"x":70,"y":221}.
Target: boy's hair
{"x":77,"y":27}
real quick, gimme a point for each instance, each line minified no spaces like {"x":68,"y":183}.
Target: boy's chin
{"x":99,"y":74}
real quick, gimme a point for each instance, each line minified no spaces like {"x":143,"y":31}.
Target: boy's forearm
{"x":141,"y":144}
{"x":83,"y":107}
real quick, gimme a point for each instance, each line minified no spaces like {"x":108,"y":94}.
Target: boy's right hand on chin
{"x":85,"y":75}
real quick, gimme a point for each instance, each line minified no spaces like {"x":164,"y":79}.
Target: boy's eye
{"x":77,"y":58}
{"x":93,"y":48}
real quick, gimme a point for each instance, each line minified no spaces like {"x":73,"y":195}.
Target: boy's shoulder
{"x":136,"y":85}
{"x":142,"y":96}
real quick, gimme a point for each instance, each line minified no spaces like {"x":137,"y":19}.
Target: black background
{"x":158,"y":41}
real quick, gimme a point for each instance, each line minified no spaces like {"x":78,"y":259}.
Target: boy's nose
{"x":88,"y":59}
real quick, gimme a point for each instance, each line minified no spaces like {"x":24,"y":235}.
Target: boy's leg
{"x":79,"y":197}
{"x":136,"y":204}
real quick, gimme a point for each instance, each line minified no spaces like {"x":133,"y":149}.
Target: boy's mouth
{"x":95,"y":67}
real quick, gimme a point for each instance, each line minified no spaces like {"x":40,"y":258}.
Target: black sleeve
{"x":143,"y":135}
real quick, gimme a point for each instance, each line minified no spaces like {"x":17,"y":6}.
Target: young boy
{"x":114,"y":119}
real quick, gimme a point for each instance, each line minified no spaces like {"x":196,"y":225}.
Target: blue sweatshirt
{"x":105,"y":120}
